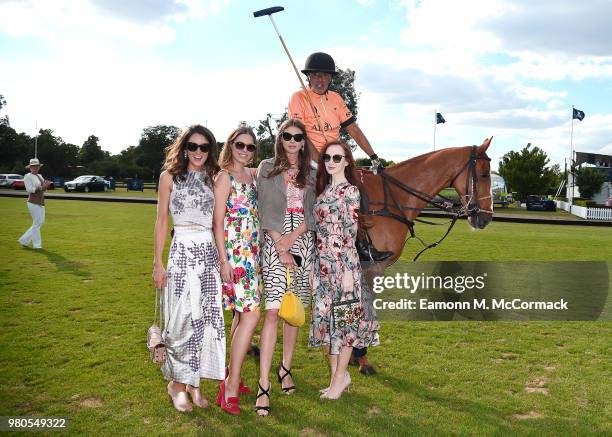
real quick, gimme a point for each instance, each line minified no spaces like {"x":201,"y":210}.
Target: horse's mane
{"x":419,"y":158}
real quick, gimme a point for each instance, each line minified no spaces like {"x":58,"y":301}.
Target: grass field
{"x":122,"y":192}
{"x":74,"y":319}
{"x":513,"y":210}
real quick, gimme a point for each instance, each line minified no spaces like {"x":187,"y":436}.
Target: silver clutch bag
{"x":155,"y":341}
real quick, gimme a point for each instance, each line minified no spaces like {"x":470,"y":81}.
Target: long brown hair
{"x":225,"y":157}
{"x":176,"y":163}
{"x":323,"y":179}
{"x":281,"y":163}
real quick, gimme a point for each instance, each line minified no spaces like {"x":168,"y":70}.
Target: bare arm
{"x":357,"y":134}
{"x":161,"y":229}
{"x":223,"y":186}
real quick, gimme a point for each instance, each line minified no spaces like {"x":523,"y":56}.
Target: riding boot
{"x":367,"y":251}
{"x":365,"y":367}
{"x":253,"y":351}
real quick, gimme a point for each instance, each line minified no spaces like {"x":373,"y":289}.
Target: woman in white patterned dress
{"x":194,"y":330}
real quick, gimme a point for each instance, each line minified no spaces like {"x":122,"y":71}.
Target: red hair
{"x":323,"y":179}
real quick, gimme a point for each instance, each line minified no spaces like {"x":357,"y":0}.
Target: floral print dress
{"x":242,"y":244}
{"x":335,"y":212}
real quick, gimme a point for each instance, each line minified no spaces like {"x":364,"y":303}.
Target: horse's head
{"x":474,"y":186}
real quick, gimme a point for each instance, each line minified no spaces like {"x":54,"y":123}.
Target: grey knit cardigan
{"x":272,"y":198}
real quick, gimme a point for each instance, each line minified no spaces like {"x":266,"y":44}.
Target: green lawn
{"x":513,"y":210}
{"x":121,"y":192}
{"x":74,"y":319}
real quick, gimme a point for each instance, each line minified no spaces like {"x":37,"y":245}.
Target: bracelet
{"x":373,"y":156}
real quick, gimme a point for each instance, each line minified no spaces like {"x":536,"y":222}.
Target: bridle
{"x":470,"y":202}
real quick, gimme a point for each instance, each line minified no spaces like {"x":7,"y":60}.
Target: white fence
{"x":586,"y":213}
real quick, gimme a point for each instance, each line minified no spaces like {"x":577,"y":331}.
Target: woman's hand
{"x":227,"y":273}
{"x":284,"y":244}
{"x":288,"y":260}
{"x":347,"y":281}
{"x":160,"y":277}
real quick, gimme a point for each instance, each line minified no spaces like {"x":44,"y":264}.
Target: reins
{"x":468,"y":208}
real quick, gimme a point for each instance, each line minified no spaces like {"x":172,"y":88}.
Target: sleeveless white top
{"x":192,"y":200}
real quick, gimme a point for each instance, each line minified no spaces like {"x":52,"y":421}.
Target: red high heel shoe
{"x":242,"y":389}
{"x":229,"y":405}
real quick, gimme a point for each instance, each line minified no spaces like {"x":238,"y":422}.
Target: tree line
{"x":143,"y":160}
{"x":528,"y":172}
{"x":525,"y":172}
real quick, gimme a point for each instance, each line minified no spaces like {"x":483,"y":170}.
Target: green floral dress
{"x":335,"y":212}
{"x":242,"y":243}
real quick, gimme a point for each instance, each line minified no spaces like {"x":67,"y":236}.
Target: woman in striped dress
{"x":286,"y":198}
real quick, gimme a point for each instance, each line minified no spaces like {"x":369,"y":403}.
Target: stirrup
{"x":367,"y":252}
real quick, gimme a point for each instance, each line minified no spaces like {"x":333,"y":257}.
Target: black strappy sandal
{"x":287,"y":390}
{"x":263,"y":392}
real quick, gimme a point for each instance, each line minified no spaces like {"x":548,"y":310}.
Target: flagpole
{"x":572,"y":157}
{"x":36,"y":140}
{"x":435,"y":125}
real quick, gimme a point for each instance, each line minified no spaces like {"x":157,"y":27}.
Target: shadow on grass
{"x":64,"y":264}
{"x":481,"y":413}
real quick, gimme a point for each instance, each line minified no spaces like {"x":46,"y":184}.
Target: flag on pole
{"x":440,"y":119}
{"x":578,"y":114}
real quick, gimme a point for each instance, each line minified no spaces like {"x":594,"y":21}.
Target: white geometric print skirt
{"x":194,"y":330}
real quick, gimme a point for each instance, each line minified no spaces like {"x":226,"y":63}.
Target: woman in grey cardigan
{"x":285,"y":186}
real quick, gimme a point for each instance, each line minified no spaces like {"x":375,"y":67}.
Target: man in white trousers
{"x":36,"y":186}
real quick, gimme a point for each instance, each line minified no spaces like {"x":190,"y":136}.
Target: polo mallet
{"x":269,"y":12}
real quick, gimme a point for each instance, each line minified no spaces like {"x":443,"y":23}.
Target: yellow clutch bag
{"x":291,"y":309}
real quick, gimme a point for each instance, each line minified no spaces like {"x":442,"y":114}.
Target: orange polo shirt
{"x":333,"y":114}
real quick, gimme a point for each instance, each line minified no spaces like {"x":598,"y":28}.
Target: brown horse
{"x":399,"y":194}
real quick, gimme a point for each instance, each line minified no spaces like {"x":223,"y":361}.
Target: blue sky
{"x":507,"y":68}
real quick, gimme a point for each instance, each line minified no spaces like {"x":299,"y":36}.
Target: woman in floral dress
{"x":339,"y":321}
{"x":236,"y":228}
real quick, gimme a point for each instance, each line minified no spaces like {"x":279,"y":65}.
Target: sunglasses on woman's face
{"x":239,"y":145}
{"x":335,"y":158}
{"x":296,"y":137}
{"x":192,"y":147}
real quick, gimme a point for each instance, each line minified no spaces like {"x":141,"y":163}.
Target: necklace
{"x":292,"y":174}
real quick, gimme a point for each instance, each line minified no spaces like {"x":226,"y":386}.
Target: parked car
{"x":535,"y":203}
{"x":86,"y":183}
{"x":7,"y":179}
{"x":20,"y":184}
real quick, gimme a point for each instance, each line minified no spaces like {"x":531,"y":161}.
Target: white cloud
{"x":141,"y":23}
{"x":449,"y":60}
{"x":443,"y":24}
{"x":553,"y":26}
{"x":117,"y":98}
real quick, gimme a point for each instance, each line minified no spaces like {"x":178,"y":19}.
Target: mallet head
{"x":268,"y":11}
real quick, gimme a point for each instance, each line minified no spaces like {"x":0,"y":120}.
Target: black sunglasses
{"x":336,"y":158}
{"x":192,"y":147}
{"x":239,"y":145}
{"x":297,"y":137}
